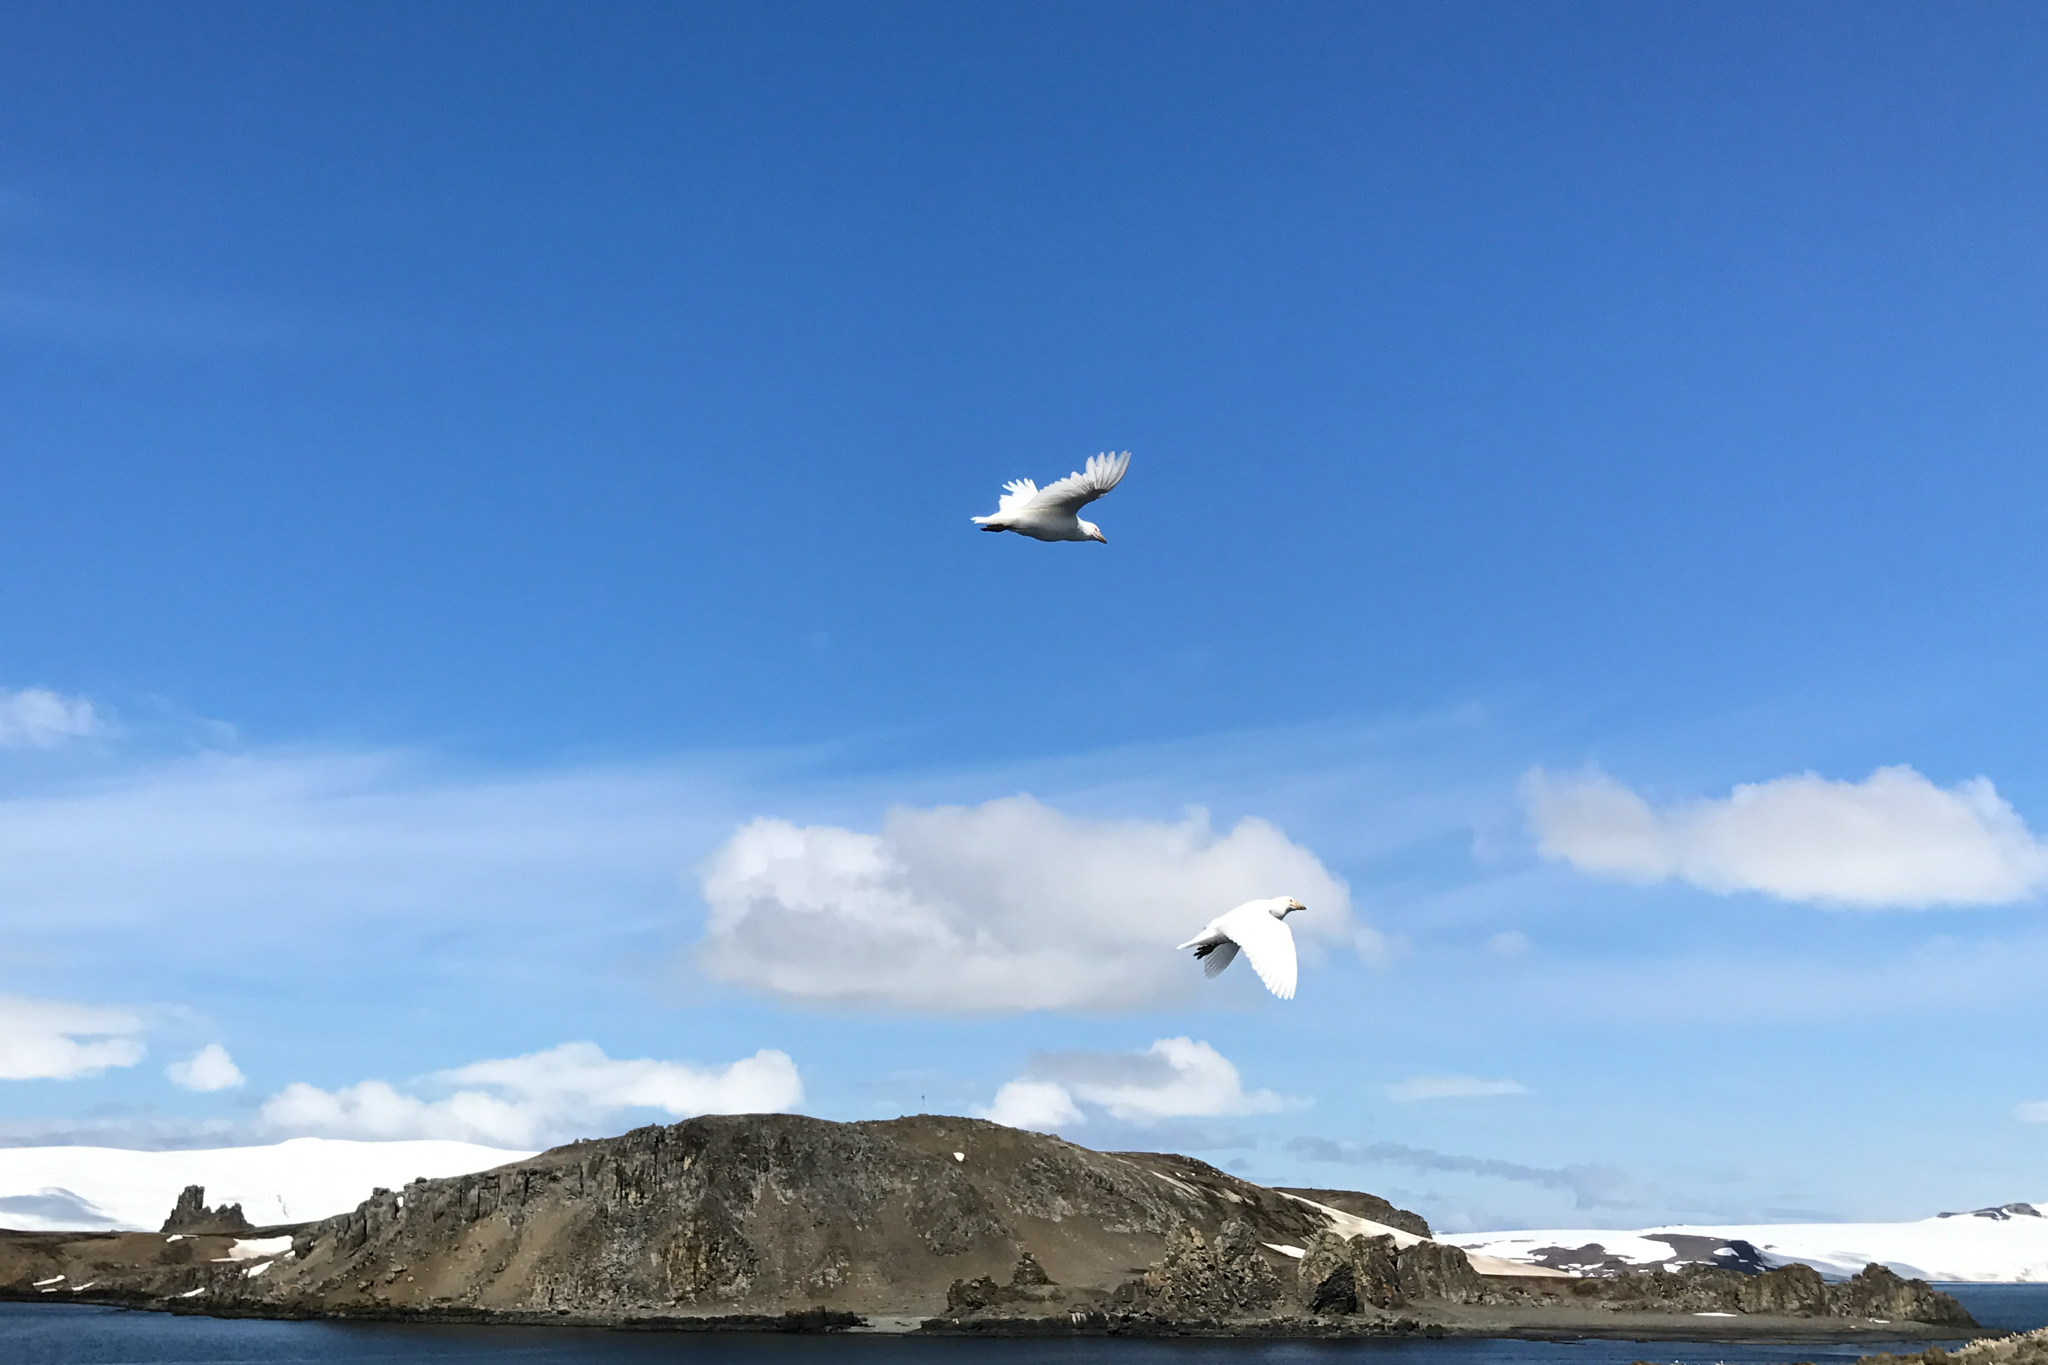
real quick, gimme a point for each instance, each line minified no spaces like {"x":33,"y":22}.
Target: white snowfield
{"x":1964,"y":1246}
{"x":60,"y":1189}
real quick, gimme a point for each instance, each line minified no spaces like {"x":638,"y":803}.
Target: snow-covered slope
{"x":97,"y":1188}
{"x":1991,"y":1245}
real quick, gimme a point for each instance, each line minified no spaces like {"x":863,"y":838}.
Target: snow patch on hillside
{"x":56,"y":1189}
{"x":1991,"y":1246}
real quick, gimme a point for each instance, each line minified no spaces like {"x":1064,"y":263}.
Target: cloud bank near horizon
{"x":536,"y":1100}
{"x":1006,"y":906}
{"x":1893,"y":840}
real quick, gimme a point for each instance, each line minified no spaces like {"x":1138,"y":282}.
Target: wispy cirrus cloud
{"x":1590,"y":1187}
{"x":1892,"y":840}
{"x":38,"y":718}
{"x":1450,"y":1088}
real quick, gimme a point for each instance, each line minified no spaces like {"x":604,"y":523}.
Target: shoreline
{"x":1559,"y":1326}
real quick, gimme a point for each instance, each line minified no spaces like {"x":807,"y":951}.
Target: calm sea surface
{"x":62,"y":1334}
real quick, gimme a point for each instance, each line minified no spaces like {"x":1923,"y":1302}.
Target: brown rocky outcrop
{"x":1337,"y":1275}
{"x":1789,"y":1291}
{"x":1325,"y":1282}
{"x":1198,"y":1277}
{"x":1876,"y":1292}
{"x":190,"y":1215}
{"x":1431,"y":1270}
{"x":1029,"y":1284}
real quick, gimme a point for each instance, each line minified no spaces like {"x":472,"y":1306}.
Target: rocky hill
{"x":941,"y":1224}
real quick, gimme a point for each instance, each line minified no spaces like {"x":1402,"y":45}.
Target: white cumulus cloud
{"x":1174,"y":1078}
{"x":56,"y":1040}
{"x":1041,"y":1106}
{"x":542,"y":1098}
{"x":210,"y":1068}
{"x":37,"y":718}
{"x":1894,"y":839}
{"x":1010,"y":905}
{"x":1450,"y":1088}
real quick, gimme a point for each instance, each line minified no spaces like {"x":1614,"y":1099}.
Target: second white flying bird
{"x":1260,"y":928}
{"x":1051,"y":513}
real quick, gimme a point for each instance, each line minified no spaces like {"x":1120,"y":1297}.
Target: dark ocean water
{"x":65,"y":1334}
{"x":2007,"y":1307}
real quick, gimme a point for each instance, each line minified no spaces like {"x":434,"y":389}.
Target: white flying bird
{"x":1260,"y":928}
{"x":1050,"y":513}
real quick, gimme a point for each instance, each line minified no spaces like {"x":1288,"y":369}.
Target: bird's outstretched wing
{"x":1017,"y":493}
{"x":1071,"y":494}
{"x":1269,"y":944}
{"x":1217,"y":958}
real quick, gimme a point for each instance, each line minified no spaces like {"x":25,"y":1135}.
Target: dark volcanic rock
{"x":1790,"y":1290}
{"x":1198,"y":1278}
{"x":1998,"y":1212}
{"x":1029,"y":1272}
{"x":1377,"y":1269}
{"x":1337,"y":1275}
{"x":1362,"y":1205}
{"x":1431,"y":1270}
{"x":1876,"y":1292}
{"x":190,"y":1215}
{"x":1687,"y":1249}
{"x":1793,"y":1290}
{"x":1324,"y":1281}
{"x":1028,"y":1283}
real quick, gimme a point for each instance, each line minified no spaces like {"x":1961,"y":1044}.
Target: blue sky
{"x":477,"y":477}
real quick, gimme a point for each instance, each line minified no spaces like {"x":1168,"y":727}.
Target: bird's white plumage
{"x":1052,"y":512}
{"x":1259,"y":928}
{"x":1098,"y":476}
{"x":1017,"y":495}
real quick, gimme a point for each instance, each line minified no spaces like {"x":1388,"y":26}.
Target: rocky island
{"x":928,"y":1224}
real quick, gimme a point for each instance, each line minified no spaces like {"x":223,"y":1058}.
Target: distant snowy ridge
{"x":2004,"y":1245}
{"x":58,"y":1189}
